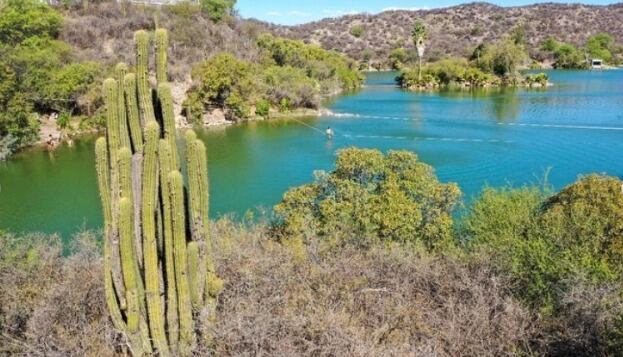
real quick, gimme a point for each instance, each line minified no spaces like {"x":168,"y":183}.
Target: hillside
{"x":457,"y":30}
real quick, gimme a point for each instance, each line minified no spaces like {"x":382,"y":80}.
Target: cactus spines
{"x":131,"y":105}
{"x":146,"y":208}
{"x":168,"y":118}
{"x":141,"y":39}
{"x":120,"y":71}
{"x":176,"y":191}
{"x":162,"y":45}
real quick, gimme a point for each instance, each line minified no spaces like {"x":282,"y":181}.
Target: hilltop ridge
{"x":458,"y":29}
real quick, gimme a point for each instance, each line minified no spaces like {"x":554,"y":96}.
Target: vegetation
{"x":147,"y":249}
{"x":601,"y":46}
{"x":357,"y":30}
{"x":522,"y":271}
{"x":37,"y":72}
{"x":290,"y":75}
{"x":218,"y":9}
{"x":453,"y":30}
{"x":370,"y":196}
{"x":490,"y":65}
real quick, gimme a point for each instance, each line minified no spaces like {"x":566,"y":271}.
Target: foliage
{"x":398,"y":58}
{"x":447,"y":73}
{"x":321,"y":65}
{"x":542,"y":242}
{"x":357,"y":30}
{"x":22,"y":19}
{"x":36,"y":70}
{"x":601,"y":46}
{"x":419,"y":33}
{"x":540,"y":79}
{"x":369,"y":197}
{"x":218,"y":9}
{"x":262,"y":108}
{"x":292,"y":75}
{"x":569,"y":57}
{"x":503,"y":58}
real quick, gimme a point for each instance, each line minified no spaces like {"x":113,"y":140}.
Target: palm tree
{"x":419,"y":35}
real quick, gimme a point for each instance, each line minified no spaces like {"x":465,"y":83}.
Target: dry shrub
{"x":104,"y":33}
{"x":292,"y":299}
{"x":50,"y":304}
{"x":590,"y":323}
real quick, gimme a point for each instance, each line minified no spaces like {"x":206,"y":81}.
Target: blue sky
{"x":301,"y":11}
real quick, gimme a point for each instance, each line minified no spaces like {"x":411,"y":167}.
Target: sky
{"x":290,"y":12}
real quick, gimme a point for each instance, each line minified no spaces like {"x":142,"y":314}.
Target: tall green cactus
{"x":162,"y":45}
{"x":146,"y":209}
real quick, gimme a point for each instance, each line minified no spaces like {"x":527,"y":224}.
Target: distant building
{"x":597,"y":63}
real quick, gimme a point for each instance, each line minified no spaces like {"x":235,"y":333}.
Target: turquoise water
{"x":473,"y":138}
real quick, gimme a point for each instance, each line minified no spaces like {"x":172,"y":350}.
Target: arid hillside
{"x":457,"y":30}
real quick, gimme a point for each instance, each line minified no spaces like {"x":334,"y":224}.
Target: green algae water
{"x":496,"y":137}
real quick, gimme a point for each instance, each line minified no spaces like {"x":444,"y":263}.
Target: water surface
{"x":473,"y":138}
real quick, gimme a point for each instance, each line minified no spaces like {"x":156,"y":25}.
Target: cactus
{"x":145,"y":102}
{"x":162,"y":44}
{"x":131,"y":105}
{"x":124,"y":139}
{"x":146,"y":210}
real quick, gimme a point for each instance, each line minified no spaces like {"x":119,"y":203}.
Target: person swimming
{"x":329,"y":133}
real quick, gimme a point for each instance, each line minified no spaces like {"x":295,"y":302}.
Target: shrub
{"x":262,"y":108}
{"x":369,"y":197}
{"x":356,"y":31}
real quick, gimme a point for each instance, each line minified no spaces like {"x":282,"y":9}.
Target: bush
{"x":356,"y":31}
{"x":262,"y":108}
{"x":370,"y":197}
{"x":543,"y":244}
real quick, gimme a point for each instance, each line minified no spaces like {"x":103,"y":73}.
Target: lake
{"x":495,"y":137}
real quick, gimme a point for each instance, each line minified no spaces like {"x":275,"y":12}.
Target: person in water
{"x":329,"y":133}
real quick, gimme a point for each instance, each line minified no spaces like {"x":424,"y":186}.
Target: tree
{"x":601,"y":46}
{"x":419,"y":35}
{"x":370,"y":196}
{"x":218,"y":9}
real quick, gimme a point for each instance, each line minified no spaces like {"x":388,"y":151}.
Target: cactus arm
{"x":134,"y":121}
{"x":187,"y":337}
{"x":166,"y":166}
{"x":124,"y":139}
{"x":162,"y":44}
{"x":145,"y":104}
{"x":150,"y":248}
{"x":168,"y":119}
{"x":101,"y":154}
{"x":198,"y":211}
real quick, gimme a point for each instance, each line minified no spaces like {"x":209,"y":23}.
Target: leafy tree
{"x":224,"y":82}
{"x":22,"y":19}
{"x":398,"y":58}
{"x":36,"y":73}
{"x":550,"y":44}
{"x":218,"y":9}
{"x":370,"y":196}
{"x":601,"y":46}
{"x":568,"y":57}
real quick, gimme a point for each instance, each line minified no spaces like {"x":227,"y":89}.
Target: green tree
{"x":224,"y":82}
{"x":600,"y":46}
{"x":218,"y":9}
{"x":22,"y":19}
{"x":370,"y":196}
{"x":398,"y":58}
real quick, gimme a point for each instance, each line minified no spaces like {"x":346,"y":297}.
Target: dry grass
{"x":286,"y":299}
{"x":279,"y":299}
{"x":289,"y":299}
